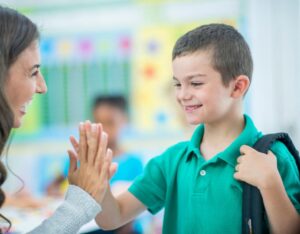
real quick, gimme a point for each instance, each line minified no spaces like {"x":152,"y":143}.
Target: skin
{"x":199,"y":89}
{"x":95,"y":161}
{"x":23,"y":82}
{"x":113,"y":119}
{"x":260,"y":170}
{"x":195,"y":100}
{"x":205,"y":99}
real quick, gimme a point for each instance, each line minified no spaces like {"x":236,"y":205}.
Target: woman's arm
{"x":89,"y":178}
{"x":77,"y":209}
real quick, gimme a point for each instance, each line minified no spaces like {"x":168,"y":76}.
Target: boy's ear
{"x":240,"y":86}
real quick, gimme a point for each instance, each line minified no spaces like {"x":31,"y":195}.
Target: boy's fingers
{"x":244,"y":149}
{"x":237,"y":176}
{"x":270,"y":153}
{"x":239,"y":159}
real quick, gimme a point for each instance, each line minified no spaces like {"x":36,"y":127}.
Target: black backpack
{"x":253,"y":211}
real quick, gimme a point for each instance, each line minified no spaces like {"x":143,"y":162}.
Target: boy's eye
{"x":196,"y":83}
{"x":177,"y":85}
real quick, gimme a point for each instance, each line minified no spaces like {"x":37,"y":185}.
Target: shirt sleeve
{"x":78,"y":209}
{"x":150,"y":187}
{"x":289,"y":173}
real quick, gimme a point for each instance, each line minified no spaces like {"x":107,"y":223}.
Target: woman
{"x":20,"y":79}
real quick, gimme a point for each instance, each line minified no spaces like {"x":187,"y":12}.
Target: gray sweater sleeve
{"x":78,"y":209}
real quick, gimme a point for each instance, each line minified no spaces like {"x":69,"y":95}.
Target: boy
{"x":197,"y":182}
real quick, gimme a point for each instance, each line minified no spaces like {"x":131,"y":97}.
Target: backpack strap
{"x":253,"y":212}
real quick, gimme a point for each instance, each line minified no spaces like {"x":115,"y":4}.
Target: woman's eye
{"x":35,"y":73}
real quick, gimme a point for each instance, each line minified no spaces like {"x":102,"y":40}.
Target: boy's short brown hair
{"x":230,"y":53}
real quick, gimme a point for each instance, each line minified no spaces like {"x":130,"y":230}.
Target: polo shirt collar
{"x":194,"y":144}
{"x":247,"y":137}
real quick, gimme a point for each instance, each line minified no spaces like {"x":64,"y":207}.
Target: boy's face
{"x":199,"y":88}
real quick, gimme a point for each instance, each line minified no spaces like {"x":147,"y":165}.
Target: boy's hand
{"x":75,"y":144}
{"x":92,"y":173}
{"x":257,"y":169}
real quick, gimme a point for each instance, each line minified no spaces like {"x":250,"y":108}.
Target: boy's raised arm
{"x":119,"y":210}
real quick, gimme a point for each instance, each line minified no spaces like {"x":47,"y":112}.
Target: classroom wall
{"x":124,"y":47}
{"x":274,"y":40}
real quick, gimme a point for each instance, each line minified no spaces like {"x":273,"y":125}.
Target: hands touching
{"x":91,"y":164}
{"x":257,"y":169}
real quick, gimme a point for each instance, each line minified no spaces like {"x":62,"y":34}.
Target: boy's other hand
{"x":257,"y":169}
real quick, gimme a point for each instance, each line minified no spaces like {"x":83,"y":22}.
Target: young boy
{"x":198,"y":182}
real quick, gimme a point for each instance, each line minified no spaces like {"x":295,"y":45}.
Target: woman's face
{"x":23,"y":81}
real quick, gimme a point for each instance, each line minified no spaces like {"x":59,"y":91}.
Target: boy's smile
{"x":199,"y":88}
{"x":191,"y":108}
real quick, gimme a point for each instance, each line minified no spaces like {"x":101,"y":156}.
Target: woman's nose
{"x":41,"y":86}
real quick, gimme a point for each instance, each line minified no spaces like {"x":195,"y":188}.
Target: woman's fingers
{"x":112,"y":169}
{"x":73,"y":161}
{"x":83,"y":141}
{"x":75,"y":144}
{"x":93,"y":136}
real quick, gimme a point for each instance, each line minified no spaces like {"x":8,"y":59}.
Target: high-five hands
{"x":91,"y":164}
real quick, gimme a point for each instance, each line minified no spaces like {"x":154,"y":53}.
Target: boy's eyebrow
{"x":191,"y":76}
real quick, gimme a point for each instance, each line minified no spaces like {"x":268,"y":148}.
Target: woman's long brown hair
{"x":17,"y":33}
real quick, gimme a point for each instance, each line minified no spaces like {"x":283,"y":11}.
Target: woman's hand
{"x":91,"y":166}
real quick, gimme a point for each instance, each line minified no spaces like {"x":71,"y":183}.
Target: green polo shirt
{"x":202,"y":196}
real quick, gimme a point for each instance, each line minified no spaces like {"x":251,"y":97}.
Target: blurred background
{"x":123,"y":47}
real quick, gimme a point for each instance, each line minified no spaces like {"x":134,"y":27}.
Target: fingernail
{"x":94,"y":127}
{"x":81,"y":125}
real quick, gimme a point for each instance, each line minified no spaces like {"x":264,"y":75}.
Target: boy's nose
{"x":184,"y":93}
